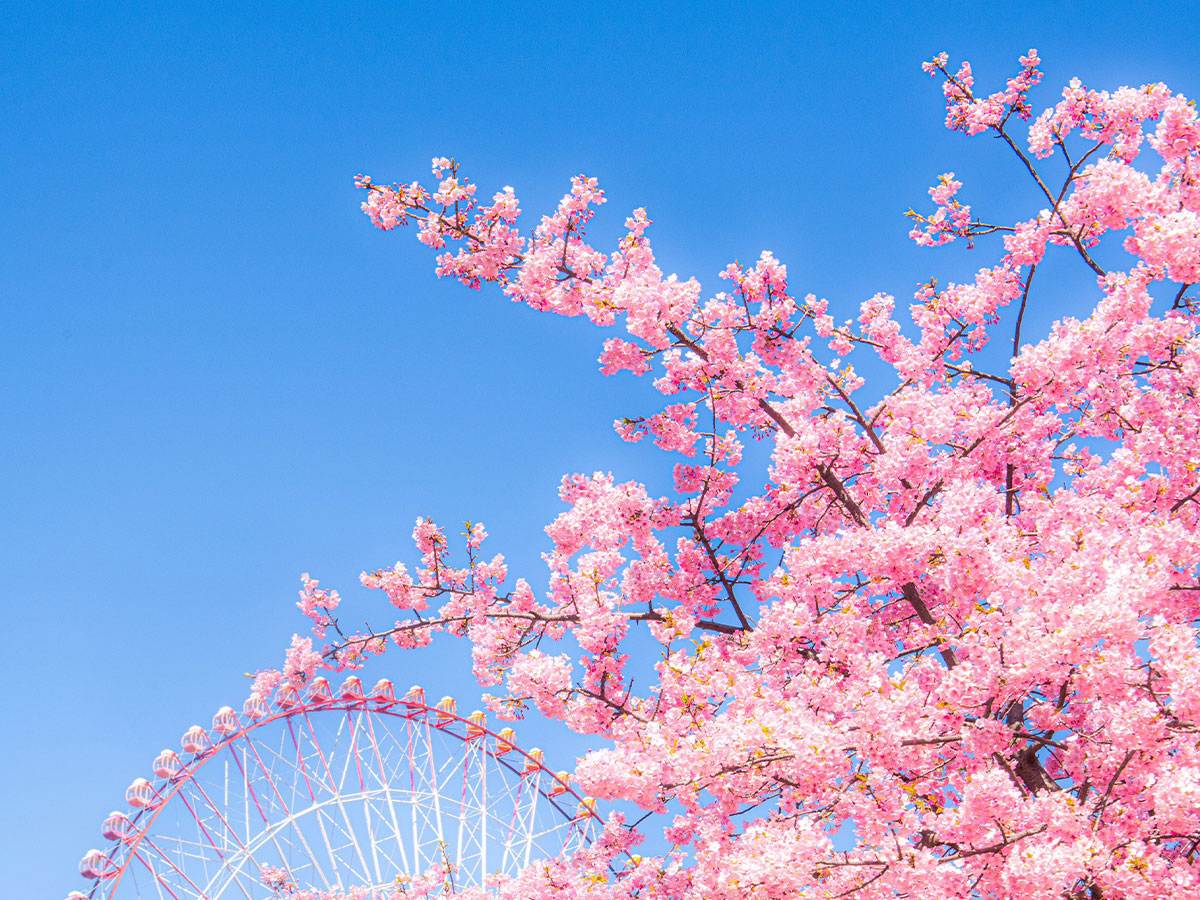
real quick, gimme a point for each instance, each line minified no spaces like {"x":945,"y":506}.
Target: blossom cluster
{"x":960,"y":616}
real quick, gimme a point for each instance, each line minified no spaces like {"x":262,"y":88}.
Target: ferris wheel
{"x":335,"y":789}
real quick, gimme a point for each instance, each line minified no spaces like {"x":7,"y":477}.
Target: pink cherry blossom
{"x":945,"y":644}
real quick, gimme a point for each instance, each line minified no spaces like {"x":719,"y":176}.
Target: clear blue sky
{"x":214,"y":375}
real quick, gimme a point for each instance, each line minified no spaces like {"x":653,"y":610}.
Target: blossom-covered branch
{"x":961,"y":614}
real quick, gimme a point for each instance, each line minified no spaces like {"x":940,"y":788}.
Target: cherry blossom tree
{"x":958,"y":625}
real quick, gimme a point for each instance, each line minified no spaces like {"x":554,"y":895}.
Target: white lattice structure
{"x":337,"y":788}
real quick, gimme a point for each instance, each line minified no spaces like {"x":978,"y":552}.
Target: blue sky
{"x":215,"y":375}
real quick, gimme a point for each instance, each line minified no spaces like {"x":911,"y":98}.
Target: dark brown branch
{"x":913,"y":596}
{"x":1108,"y":790}
{"x":1179,"y":504}
{"x":720,"y":573}
{"x":975,"y":373}
{"x":928,"y":495}
{"x":1021,"y":318}
{"x":653,"y":615}
{"x":993,"y":848}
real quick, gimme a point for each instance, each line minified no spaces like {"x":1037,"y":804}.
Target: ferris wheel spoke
{"x":483,"y":830}
{"x":231,"y":864}
{"x":293,"y":823}
{"x":159,"y":883}
{"x":343,"y":733}
{"x":338,"y":790}
{"x":384,"y":781}
{"x":437,"y":794}
{"x":371,"y":842}
{"x":228,"y":831}
{"x":534,"y":794}
{"x":320,"y":817}
{"x":247,"y":784}
{"x":189,"y":856}
{"x":290,"y":818}
{"x":178,"y":871}
{"x":200,"y":822}
{"x":352,"y":755}
{"x":412,"y":782}
{"x":233,"y":873}
{"x":272,"y":759}
{"x":300,"y":759}
{"x":283,"y":760}
{"x":352,"y":723}
{"x":353,"y":836}
{"x":247,"y":791}
{"x":512,"y":826}
{"x":320,"y":753}
{"x":462,"y":818}
{"x":367,"y":810}
{"x":235,"y":867}
{"x":333,"y":859}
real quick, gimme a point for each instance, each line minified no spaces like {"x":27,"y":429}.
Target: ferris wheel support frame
{"x":291,"y":708}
